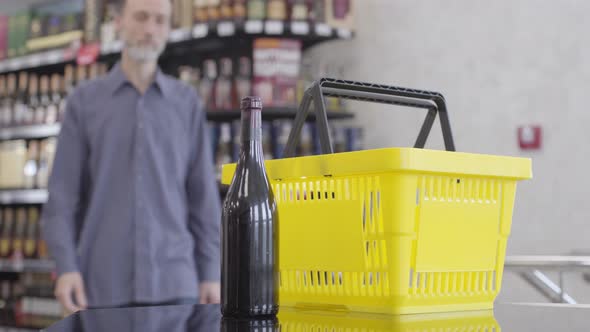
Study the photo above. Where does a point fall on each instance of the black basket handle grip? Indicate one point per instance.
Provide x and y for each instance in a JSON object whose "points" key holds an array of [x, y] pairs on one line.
{"points": [[434, 102]]}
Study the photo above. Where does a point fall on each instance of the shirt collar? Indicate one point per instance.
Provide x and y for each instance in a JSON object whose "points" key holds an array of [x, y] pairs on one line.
{"points": [[117, 79]]}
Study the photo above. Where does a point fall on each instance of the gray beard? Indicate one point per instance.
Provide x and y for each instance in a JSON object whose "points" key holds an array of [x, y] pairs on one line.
{"points": [[142, 54]]}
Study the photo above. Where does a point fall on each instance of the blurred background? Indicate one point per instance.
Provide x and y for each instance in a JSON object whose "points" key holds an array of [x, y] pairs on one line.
{"points": [[514, 75]]}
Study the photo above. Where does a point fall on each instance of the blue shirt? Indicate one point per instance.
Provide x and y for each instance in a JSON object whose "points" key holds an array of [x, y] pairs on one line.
{"points": [[133, 202]]}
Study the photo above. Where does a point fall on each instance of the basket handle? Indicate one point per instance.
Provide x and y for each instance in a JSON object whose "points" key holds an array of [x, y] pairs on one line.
{"points": [[434, 102]]}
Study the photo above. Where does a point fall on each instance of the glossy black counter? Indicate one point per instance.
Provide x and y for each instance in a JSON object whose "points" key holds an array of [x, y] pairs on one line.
{"points": [[206, 318]]}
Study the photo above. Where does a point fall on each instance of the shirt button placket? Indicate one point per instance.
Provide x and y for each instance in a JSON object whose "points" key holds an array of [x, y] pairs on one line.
{"points": [[139, 140]]}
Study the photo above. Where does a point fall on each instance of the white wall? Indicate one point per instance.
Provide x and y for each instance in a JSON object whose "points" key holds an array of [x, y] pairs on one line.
{"points": [[500, 64]]}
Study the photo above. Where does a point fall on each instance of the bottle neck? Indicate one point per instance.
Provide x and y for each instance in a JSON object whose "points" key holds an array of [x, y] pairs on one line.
{"points": [[251, 133]]}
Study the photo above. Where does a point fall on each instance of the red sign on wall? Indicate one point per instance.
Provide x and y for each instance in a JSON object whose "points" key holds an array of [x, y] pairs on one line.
{"points": [[530, 137]]}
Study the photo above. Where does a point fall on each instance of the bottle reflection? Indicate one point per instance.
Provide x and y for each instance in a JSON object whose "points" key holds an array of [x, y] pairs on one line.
{"points": [[177, 318], [270, 324]]}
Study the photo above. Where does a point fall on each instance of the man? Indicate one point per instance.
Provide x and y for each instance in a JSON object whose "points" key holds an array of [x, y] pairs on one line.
{"points": [[133, 214]]}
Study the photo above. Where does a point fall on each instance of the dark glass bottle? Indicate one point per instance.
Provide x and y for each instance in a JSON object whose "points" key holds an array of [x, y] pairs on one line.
{"points": [[250, 228]]}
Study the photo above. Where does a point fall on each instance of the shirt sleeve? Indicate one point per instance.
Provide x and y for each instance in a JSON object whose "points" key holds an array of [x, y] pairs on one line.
{"points": [[65, 190], [203, 201]]}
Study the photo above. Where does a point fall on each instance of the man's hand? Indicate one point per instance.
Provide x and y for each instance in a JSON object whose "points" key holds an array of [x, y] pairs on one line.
{"points": [[209, 292], [69, 291]]}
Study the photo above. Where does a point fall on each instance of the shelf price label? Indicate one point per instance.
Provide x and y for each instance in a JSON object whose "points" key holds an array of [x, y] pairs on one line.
{"points": [[299, 28], [15, 64], [274, 27], [179, 35], [344, 33], [253, 27], [225, 29], [35, 60], [200, 30], [323, 29]]}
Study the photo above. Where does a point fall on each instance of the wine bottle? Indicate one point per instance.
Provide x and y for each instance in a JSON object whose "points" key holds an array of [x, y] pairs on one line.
{"points": [[10, 100], [44, 101], [224, 88], [32, 105], [226, 10], [206, 88], [277, 10], [52, 111], [3, 96], [30, 241], [239, 10], [31, 166], [256, 9], [20, 105], [19, 232], [243, 80], [249, 228]]}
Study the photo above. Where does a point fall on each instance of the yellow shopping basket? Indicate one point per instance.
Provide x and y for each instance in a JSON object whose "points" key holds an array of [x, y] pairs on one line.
{"points": [[397, 230]]}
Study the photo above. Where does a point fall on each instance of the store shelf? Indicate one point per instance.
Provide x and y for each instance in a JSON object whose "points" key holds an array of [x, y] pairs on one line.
{"points": [[269, 114], [27, 265], [40, 59], [16, 329], [309, 33], [23, 196], [273, 113], [29, 132]]}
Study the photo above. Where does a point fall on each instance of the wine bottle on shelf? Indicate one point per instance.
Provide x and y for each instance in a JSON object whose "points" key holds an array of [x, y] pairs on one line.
{"points": [[239, 10], [318, 11], [206, 89], [7, 232], [66, 88], [3, 96], [19, 233], [31, 165], [45, 157], [213, 10], [285, 129], [69, 83], [10, 100], [267, 140], [249, 279], [256, 9], [200, 11], [277, 10], [223, 153], [339, 138], [299, 10], [42, 111], [306, 141], [93, 71], [20, 104], [224, 91], [236, 141], [31, 233], [243, 79], [52, 110], [28, 117], [226, 10], [81, 75]]}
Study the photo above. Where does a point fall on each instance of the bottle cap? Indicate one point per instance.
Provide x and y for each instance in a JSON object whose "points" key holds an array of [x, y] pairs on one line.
{"points": [[251, 103]]}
